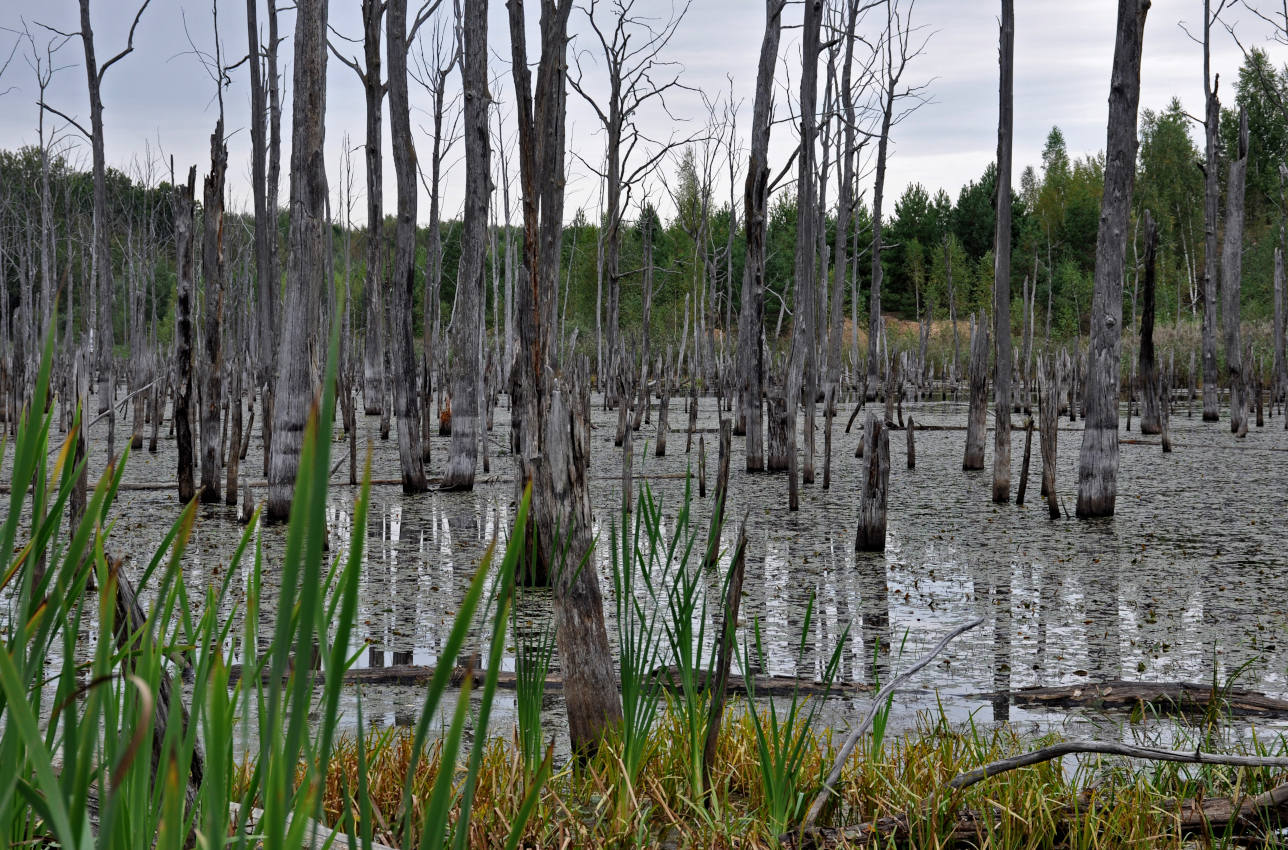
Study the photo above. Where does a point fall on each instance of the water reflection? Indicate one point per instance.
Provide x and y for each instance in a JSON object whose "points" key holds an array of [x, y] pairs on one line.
{"points": [[1151, 593]]}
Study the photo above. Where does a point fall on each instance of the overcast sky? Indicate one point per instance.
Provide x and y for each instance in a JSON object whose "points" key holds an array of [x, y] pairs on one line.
{"points": [[161, 98]]}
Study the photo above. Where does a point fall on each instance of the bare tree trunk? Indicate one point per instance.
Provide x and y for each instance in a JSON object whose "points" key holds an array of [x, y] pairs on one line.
{"points": [[871, 534], [1281, 362], [1211, 200], [541, 439], [105, 341], [265, 208], [269, 322], [800, 368], [1232, 280], [374, 88], [406, 397], [467, 328], [184, 201], [1098, 460], [1150, 387], [844, 209], [1049, 409], [1002, 265], [306, 270], [212, 270], [977, 416], [751, 319]]}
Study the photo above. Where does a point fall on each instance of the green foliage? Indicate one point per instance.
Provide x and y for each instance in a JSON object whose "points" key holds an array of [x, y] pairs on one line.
{"points": [[78, 731]]}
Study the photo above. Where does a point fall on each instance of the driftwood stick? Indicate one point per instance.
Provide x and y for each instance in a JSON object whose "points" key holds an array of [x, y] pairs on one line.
{"points": [[1109, 748], [847, 749]]}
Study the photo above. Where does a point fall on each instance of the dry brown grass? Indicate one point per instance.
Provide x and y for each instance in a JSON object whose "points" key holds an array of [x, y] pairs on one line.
{"points": [[590, 805]]}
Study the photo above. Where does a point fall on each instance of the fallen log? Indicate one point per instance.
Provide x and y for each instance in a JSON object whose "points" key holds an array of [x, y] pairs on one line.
{"points": [[1164, 697], [1241, 820], [419, 675]]}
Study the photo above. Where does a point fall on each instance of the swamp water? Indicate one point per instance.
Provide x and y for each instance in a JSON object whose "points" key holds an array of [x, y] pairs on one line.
{"points": [[1191, 572]]}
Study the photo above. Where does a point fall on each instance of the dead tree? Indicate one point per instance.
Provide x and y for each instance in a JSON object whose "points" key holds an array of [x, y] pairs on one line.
{"points": [[896, 50], [374, 88], [631, 46], [1232, 280], [265, 207], [184, 201], [435, 70], [212, 271], [751, 318], [542, 424], [801, 368], [977, 415], [467, 318], [1049, 410], [306, 266], [1098, 459], [1002, 264], [1211, 200], [1151, 397], [100, 247], [871, 534], [850, 147], [406, 398], [1281, 366]]}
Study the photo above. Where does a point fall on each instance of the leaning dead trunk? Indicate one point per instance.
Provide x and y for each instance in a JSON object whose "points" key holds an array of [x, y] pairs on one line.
{"points": [[184, 202], [1150, 388], [467, 320], [977, 415], [306, 265], [1232, 280], [212, 269], [1098, 460]]}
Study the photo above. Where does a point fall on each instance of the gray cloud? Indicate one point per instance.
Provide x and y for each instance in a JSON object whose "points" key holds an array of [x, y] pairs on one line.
{"points": [[161, 96]]}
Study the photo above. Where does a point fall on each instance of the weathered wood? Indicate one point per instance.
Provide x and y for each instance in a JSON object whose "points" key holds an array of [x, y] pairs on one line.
{"points": [[1002, 263], [877, 703], [1024, 467], [702, 467], [1232, 281], [1151, 397], [911, 428], [184, 202], [1098, 458], [663, 410], [871, 533], [212, 271], [411, 675], [628, 455], [1279, 387], [297, 380], [1163, 697], [1211, 201], [751, 364], [977, 415], [1049, 410], [712, 556], [467, 318], [781, 445]]}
